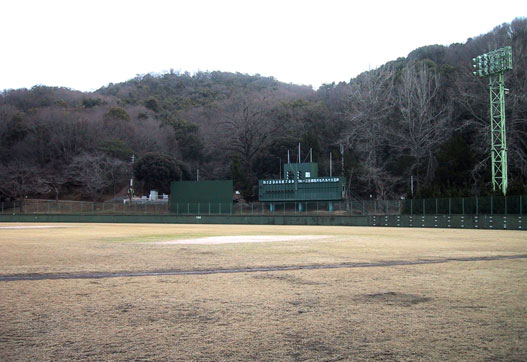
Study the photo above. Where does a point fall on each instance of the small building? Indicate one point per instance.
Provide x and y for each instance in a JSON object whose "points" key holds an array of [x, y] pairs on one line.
{"points": [[197, 197]]}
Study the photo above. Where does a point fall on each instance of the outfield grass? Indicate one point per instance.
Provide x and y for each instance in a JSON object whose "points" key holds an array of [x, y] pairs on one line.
{"points": [[133, 247], [449, 311]]}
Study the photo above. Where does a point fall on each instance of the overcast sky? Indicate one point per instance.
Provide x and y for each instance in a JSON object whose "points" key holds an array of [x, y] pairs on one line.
{"points": [[85, 45]]}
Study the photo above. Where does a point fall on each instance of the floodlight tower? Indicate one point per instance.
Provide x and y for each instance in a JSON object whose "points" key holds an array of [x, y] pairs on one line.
{"points": [[494, 65]]}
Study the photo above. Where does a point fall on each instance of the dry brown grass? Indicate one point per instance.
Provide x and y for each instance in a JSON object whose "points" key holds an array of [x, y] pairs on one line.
{"points": [[118, 247], [451, 311]]}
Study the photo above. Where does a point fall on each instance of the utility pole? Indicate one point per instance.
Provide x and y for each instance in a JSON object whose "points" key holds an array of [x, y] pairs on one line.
{"points": [[131, 189], [330, 165], [493, 65], [342, 157], [299, 153]]}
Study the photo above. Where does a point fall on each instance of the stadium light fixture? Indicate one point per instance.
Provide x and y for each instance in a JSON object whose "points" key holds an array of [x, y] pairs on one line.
{"points": [[493, 65]]}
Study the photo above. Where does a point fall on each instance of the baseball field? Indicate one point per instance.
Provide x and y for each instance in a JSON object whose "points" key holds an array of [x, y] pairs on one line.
{"points": [[243, 292]]}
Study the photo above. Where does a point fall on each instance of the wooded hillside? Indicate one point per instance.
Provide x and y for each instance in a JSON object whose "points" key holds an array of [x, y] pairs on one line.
{"points": [[424, 116]]}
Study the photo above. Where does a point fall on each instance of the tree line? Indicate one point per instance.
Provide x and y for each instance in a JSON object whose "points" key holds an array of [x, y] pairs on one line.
{"points": [[424, 118]]}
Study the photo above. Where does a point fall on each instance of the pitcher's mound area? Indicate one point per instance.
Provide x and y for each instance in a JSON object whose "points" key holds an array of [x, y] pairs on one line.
{"points": [[241, 239]]}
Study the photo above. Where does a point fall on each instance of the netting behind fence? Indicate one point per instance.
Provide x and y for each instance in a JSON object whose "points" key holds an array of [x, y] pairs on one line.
{"points": [[499, 205]]}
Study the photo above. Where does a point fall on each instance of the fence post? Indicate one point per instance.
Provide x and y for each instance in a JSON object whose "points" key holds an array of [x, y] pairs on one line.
{"points": [[449, 206], [436, 205], [491, 206], [2, 207], [463, 205], [505, 204], [477, 206], [521, 206], [411, 206], [424, 207]]}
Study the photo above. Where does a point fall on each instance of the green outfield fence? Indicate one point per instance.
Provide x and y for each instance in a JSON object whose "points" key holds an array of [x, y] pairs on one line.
{"points": [[488, 205], [470, 213]]}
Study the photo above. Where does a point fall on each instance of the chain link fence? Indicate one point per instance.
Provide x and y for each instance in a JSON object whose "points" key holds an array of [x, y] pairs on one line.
{"points": [[490, 205], [487, 205], [31, 206]]}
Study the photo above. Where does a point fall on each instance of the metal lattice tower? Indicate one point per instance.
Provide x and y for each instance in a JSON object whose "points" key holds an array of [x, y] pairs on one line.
{"points": [[498, 149], [494, 65]]}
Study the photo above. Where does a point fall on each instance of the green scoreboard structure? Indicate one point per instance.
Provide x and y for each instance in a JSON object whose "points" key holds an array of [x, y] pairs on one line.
{"points": [[301, 183]]}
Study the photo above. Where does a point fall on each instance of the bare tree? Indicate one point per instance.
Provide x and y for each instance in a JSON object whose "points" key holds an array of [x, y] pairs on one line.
{"points": [[90, 171], [53, 176], [424, 119], [517, 100], [18, 180], [246, 125], [472, 95], [367, 115], [118, 173]]}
